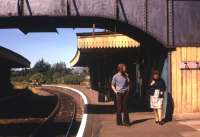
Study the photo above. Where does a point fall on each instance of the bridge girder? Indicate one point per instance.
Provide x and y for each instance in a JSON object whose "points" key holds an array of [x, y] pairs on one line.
{"points": [[170, 22]]}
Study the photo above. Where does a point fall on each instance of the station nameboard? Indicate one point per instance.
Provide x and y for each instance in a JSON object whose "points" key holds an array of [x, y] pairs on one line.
{"points": [[190, 65]]}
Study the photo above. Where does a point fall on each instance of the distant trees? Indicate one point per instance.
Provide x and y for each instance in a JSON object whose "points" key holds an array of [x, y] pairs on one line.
{"points": [[43, 72], [60, 67], [20, 75], [41, 67]]}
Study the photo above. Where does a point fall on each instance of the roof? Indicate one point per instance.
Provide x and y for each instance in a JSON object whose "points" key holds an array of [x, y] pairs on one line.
{"points": [[101, 41], [105, 40], [13, 59], [95, 33], [75, 60]]}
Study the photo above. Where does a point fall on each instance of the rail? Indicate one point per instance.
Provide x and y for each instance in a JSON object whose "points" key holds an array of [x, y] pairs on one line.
{"points": [[49, 118], [82, 127], [71, 122]]}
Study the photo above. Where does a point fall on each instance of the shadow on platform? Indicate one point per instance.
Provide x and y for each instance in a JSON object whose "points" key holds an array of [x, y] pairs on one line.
{"points": [[110, 109], [100, 109], [140, 121]]}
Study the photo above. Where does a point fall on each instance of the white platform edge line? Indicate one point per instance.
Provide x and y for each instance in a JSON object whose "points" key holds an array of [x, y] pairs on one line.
{"points": [[85, 115]]}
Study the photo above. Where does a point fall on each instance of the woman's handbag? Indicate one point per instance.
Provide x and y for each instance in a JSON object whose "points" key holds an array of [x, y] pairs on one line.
{"points": [[161, 95]]}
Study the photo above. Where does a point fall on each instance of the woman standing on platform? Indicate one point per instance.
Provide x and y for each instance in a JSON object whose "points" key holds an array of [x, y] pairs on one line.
{"points": [[156, 90], [120, 85]]}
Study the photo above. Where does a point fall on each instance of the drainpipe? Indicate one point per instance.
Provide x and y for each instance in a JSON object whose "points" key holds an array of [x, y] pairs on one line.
{"points": [[169, 70], [169, 105]]}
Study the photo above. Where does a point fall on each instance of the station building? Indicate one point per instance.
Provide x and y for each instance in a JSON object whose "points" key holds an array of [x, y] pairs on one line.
{"points": [[102, 51]]}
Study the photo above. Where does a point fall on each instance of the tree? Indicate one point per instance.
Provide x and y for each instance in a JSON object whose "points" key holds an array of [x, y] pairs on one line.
{"points": [[41, 67], [59, 67]]}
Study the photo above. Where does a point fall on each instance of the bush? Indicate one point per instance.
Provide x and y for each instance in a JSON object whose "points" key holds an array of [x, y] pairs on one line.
{"points": [[43, 72], [73, 79], [37, 78]]}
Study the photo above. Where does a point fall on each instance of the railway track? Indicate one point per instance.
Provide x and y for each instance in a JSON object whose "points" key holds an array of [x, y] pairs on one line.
{"points": [[62, 120], [53, 115]]}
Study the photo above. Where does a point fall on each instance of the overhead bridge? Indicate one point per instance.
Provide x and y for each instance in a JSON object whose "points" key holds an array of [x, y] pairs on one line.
{"points": [[168, 22]]}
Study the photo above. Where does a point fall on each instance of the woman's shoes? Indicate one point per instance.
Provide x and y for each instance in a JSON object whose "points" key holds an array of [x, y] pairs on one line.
{"points": [[161, 123], [128, 124]]}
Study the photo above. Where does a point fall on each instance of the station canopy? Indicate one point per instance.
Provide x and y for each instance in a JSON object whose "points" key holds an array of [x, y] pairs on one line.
{"points": [[12, 59], [100, 42]]}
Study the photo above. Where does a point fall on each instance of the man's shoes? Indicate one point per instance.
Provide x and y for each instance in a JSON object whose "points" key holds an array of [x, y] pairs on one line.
{"points": [[119, 124], [161, 123], [127, 124]]}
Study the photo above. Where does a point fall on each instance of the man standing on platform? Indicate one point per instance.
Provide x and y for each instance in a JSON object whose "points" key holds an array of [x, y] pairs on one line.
{"points": [[120, 85]]}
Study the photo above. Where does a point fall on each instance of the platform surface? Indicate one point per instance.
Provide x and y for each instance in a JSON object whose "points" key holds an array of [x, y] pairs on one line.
{"points": [[102, 122]]}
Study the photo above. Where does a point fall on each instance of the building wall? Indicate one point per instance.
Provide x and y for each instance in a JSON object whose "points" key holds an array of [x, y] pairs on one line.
{"points": [[185, 83]]}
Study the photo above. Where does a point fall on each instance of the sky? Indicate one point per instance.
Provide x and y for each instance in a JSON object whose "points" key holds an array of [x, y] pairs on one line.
{"points": [[52, 47]]}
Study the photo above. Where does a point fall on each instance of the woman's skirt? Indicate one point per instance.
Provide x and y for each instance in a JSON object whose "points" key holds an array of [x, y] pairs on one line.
{"points": [[155, 101]]}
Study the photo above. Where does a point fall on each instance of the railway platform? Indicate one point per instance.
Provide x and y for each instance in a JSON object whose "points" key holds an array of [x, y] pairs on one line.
{"points": [[101, 122]]}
